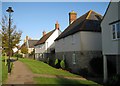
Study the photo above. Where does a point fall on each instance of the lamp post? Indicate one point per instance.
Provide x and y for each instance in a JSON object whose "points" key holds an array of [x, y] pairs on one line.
{"points": [[9, 10]]}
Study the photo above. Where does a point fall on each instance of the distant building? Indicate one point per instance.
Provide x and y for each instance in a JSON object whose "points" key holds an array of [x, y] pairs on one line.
{"points": [[111, 37], [29, 44], [15, 49], [46, 44], [80, 41]]}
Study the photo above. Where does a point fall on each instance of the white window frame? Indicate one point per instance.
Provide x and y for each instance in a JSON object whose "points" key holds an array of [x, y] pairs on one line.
{"points": [[116, 38], [74, 58]]}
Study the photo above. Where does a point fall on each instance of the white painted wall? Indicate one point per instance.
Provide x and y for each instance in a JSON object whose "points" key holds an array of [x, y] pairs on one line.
{"points": [[67, 44], [83, 40], [91, 41], [15, 49], [49, 43], [40, 48], [109, 46]]}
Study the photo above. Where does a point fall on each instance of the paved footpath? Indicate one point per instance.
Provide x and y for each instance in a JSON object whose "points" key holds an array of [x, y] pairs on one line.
{"points": [[20, 74]]}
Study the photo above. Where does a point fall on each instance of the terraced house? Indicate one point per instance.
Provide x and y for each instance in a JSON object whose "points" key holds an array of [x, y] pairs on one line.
{"points": [[29, 44], [111, 37], [80, 41], [46, 44]]}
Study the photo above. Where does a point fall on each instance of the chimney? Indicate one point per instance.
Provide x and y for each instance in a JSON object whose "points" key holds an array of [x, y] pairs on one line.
{"points": [[57, 25], [72, 17], [26, 39], [44, 33]]}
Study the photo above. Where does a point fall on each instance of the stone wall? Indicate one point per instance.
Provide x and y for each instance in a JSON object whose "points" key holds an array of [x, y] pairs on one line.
{"points": [[45, 56], [81, 60]]}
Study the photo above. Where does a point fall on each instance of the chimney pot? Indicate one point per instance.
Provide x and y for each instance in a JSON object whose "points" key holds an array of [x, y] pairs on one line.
{"points": [[57, 25], [44, 33]]}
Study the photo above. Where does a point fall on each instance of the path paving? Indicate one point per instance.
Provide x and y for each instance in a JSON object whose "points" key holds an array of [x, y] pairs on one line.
{"points": [[20, 74]]}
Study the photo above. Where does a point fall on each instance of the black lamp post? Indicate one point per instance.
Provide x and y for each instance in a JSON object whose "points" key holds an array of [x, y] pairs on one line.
{"points": [[9, 10]]}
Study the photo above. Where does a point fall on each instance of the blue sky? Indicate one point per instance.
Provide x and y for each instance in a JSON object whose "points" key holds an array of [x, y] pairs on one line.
{"points": [[34, 17]]}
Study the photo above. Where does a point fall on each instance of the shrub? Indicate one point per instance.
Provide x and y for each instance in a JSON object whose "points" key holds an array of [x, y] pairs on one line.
{"points": [[62, 64], [17, 55], [56, 61]]}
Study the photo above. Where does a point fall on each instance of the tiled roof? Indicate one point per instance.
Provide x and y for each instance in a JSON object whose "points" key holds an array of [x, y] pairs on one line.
{"points": [[90, 21], [44, 38], [32, 43], [24, 44]]}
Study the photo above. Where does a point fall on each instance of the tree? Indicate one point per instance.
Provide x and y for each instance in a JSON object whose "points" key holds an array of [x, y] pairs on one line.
{"points": [[14, 36], [24, 50]]}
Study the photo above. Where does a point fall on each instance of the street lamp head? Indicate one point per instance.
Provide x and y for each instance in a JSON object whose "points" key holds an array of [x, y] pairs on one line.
{"points": [[9, 10]]}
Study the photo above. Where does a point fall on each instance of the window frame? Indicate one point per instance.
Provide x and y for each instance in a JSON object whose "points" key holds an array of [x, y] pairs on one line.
{"points": [[116, 30], [73, 58]]}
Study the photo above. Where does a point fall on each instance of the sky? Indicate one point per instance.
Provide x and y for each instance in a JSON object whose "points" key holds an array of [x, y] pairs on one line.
{"points": [[32, 18]]}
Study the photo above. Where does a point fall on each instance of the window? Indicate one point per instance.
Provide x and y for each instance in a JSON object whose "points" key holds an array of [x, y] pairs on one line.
{"points": [[116, 31], [74, 58], [113, 31]]}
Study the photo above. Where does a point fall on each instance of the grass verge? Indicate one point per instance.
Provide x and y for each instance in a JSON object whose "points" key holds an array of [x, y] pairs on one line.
{"points": [[43, 68], [63, 81], [39, 67], [4, 70]]}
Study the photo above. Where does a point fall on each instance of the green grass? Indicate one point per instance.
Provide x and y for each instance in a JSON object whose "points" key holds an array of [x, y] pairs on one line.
{"points": [[43, 68], [63, 81], [4, 70], [39, 67]]}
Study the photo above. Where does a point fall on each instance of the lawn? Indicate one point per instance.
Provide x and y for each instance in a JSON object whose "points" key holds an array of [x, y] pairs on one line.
{"points": [[4, 70], [43, 68], [63, 81], [39, 67]]}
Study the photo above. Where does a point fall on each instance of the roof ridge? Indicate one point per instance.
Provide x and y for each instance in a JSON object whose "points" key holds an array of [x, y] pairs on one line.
{"points": [[97, 13], [48, 33], [89, 14], [45, 37]]}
